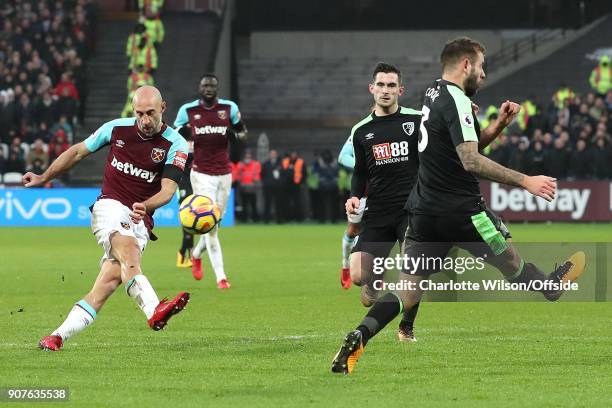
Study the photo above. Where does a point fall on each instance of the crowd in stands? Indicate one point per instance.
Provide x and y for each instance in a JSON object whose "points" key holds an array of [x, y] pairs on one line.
{"points": [[569, 138], [43, 86], [141, 49]]}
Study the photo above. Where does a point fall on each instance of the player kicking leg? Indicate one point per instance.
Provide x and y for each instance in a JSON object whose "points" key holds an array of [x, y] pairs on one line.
{"points": [[218, 189], [489, 237], [392, 304], [120, 264]]}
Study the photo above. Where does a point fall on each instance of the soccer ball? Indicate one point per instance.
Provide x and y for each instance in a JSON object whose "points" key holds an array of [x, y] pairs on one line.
{"points": [[199, 214]]}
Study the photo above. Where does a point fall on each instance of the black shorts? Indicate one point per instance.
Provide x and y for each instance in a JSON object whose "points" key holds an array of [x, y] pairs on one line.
{"points": [[483, 234], [379, 234]]}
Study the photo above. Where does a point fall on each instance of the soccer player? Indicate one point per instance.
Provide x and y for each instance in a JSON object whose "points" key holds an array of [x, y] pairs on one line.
{"points": [[212, 123], [143, 167], [446, 206], [385, 152]]}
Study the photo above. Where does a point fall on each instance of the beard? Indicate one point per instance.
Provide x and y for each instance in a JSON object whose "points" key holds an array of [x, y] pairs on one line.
{"points": [[471, 84]]}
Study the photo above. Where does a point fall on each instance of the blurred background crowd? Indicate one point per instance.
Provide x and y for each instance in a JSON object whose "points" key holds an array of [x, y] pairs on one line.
{"points": [[44, 47]]}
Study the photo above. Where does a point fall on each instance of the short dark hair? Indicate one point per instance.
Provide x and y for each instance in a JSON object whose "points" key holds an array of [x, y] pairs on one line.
{"points": [[459, 48], [209, 75], [387, 68]]}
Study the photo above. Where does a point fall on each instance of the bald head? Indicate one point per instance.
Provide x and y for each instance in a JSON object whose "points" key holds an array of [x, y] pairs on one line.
{"points": [[148, 106], [147, 95]]}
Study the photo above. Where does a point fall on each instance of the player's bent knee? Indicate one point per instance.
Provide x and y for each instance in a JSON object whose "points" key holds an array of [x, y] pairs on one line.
{"points": [[356, 276]]}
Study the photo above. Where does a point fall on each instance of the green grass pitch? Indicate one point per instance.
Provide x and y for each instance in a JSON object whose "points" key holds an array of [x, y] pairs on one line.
{"points": [[270, 339]]}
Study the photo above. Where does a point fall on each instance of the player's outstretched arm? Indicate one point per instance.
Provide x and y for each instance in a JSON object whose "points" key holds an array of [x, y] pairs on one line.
{"points": [[163, 197], [507, 112], [62, 164], [474, 162]]}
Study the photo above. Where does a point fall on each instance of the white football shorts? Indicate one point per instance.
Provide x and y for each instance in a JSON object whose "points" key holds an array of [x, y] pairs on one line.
{"points": [[217, 188], [356, 218], [110, 216]]}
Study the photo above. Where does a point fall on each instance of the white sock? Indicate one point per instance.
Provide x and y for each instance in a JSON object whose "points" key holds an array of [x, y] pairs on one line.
{"points": [[81, 315], [347, 245], [139, 289], [215, 254], [199, 249]]}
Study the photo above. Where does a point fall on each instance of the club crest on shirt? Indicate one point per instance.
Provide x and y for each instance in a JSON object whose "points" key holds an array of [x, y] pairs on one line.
{"points": [[222, 115], [157, 154], [408, 128], [125, 225]]}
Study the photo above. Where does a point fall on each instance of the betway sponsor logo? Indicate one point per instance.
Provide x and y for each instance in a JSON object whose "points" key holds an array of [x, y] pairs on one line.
{"points": [[210, 130], [570, 200], [129, 168]]}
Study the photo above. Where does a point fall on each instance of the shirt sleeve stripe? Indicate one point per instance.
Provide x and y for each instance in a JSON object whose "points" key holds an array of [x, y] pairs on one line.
{"points": [[102, 136], [234, 112], [347, 155], [464, 110], [360, 124], [179, 144], [409, 111], [181, 117]]}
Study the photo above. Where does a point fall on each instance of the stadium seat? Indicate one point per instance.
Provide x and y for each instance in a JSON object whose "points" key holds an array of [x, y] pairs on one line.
{"points": [[267, 96], [12, 178], [26, 149]]}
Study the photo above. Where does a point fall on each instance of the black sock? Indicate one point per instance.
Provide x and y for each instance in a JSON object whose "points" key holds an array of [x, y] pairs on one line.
{"points": [[529, 273], [409, 317], [187, 243], [382, 312]]}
